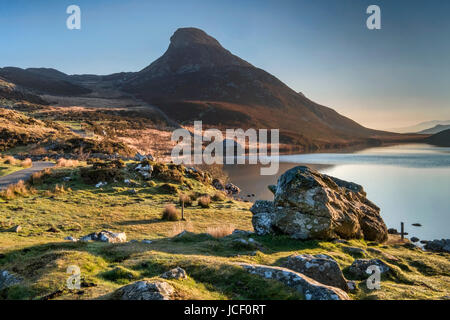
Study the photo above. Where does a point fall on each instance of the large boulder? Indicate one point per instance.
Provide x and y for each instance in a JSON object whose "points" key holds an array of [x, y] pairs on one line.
{"points": [[320, 267], [311, 205], [144, 290], [310, 288]]}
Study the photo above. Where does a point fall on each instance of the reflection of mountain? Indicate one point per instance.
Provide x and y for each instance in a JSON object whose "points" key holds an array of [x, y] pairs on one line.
{"points": [[441, 139], [198, 79], [421, 126], [435, 129]]}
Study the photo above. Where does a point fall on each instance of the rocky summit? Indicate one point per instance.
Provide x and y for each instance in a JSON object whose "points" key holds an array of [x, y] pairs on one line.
{"points": [[311, 205]]}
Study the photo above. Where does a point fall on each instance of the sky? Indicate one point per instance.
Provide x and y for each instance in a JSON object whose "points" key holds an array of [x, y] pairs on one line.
{"points": [[388, 78]]}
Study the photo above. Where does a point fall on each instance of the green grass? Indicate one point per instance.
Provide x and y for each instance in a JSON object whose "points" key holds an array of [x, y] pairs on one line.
{"points": [[42, 257]]}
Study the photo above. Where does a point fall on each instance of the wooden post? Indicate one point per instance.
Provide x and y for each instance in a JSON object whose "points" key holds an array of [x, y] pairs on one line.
{"points": [[182, 210], [402, 230]]}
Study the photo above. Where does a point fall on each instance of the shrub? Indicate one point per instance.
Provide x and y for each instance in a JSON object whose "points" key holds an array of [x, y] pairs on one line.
{"points": [[170, 213], [204, 201], [219, 196], [18, 189], [95, 175], [187, 200], [10, 160], [39, 177], [63, 163], [27, 163], [220, 231], [169, 172], [168, 188]]}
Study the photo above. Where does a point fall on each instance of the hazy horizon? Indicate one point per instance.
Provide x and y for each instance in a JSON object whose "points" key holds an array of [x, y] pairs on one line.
{"points": [[394, 77]]}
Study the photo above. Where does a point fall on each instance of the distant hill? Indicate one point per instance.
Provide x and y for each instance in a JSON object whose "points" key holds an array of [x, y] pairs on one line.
{"points": [[441, 139], [11, 92], [41, 80], [421, 126], [435, 129]]}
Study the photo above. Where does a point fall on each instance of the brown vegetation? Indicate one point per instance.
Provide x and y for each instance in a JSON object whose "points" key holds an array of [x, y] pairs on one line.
{"points": [[170, 213], [204, 201]]}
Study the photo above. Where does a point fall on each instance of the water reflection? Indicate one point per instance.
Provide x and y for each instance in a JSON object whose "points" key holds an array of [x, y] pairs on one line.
{"points": [[410, 183]]}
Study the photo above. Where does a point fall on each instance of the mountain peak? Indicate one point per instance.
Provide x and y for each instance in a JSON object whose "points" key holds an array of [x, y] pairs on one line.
{"points": [[185, 37], [191, 50]]}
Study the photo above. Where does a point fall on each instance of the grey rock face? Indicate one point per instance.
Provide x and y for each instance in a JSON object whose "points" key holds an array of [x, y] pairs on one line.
{"points": [[358, 268], [311, 289], [7, 279], [175, 273], [311, 205], [321, 268], [106, 236], [145, 290]]}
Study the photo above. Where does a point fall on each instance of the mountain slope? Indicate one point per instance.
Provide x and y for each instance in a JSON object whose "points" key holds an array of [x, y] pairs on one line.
{"points": [[197, 79], [43, 80], [441, 139]]}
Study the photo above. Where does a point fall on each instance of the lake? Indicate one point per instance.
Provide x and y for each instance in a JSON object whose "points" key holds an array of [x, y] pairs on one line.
{"points": [[410, 183]]}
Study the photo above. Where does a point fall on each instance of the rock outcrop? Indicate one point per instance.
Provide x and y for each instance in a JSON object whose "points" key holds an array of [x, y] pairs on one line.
{"points": [[359, 267], [7, 279], [311, 205], [320, 267], [311, 289], [438, 245], [106, 236], [145, 290], [175, 273]]}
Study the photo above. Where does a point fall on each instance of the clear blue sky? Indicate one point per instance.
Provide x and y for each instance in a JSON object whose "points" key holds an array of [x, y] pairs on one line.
{"points": [[385, 78]]}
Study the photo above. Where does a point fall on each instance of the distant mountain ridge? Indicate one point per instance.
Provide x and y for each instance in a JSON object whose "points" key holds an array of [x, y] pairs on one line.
{"points": [[435, 129], [421, 126]]}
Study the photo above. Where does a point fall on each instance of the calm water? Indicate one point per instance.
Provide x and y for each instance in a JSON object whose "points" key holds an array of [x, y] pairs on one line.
{"points": [[410, 183]]}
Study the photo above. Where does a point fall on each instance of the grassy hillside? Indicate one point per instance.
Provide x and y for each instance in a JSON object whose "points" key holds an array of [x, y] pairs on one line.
{"points": [[49, 212]]}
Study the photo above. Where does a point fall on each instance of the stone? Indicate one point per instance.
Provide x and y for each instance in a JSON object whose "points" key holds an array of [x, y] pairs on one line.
{"points": [[145, 290], [7, 279], [355, 251], [392, 231], [310, 288], [358, 268], [352, 287], [241, 233], [320, 267], [442, 245], [69, 238], [101, 184], [414, 239], [311, 205], [147, 241], [106, 236], [218, 185], [232, 189], [15, 229], [175, 273]]}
